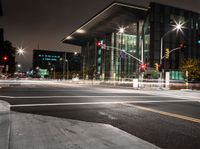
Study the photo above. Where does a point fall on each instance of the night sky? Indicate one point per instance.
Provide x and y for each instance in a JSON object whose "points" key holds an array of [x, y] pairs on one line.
{"points": [[43, 23]]}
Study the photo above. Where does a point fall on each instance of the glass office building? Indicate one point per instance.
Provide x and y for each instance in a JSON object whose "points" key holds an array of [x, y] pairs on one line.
{"points": [[43, 59], [140, 41], [161, 19]]}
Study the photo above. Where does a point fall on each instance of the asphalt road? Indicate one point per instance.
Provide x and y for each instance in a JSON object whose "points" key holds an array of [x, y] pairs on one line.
{"points": [[167, 122]]}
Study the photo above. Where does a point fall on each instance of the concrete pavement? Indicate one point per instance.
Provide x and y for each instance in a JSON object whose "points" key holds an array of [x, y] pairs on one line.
{"points": [[29, 131], [4, 124], [130, 117]]}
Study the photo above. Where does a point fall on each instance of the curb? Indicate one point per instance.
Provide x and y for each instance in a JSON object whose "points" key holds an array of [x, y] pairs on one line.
{"points": [[4, 124]]}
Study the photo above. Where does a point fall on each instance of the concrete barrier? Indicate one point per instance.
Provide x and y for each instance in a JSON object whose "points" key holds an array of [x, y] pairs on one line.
{"points": [[4, 124]]}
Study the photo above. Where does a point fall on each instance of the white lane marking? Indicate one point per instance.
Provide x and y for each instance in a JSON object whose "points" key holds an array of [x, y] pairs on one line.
{"points": [[183, 117], [99, 102], [22, 97], [6, 97]]}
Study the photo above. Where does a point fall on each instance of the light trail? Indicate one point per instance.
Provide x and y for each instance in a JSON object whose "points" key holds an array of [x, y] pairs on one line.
{"points": [[99, 103]]}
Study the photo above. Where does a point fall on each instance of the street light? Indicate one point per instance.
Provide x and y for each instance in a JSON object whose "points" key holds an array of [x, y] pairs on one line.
{"points": [[178, 27], [20, 51], [121, 30], [18, 67]]}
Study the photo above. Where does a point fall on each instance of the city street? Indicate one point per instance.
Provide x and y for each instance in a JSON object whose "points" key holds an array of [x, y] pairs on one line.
{"points": [[109, 74], [167, 119]]}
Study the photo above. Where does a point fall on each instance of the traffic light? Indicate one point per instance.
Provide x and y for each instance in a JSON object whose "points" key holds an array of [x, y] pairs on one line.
{"points": [[156, 66], [142, 67], [181, 46], [167, 53], [100, 44], [5, 58]]}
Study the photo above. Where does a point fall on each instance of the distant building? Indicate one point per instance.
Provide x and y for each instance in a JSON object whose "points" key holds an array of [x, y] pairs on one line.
{"points": [[144, 27], [60, 61]]}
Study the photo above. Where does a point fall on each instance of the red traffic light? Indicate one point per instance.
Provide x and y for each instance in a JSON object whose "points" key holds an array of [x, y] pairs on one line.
{"points": [[142, 67], [181, 45], [5, 58], [98, 43]]}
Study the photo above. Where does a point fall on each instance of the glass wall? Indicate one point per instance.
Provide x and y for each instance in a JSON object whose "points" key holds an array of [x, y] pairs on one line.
{"points": [[146, 37], [123, 66]]}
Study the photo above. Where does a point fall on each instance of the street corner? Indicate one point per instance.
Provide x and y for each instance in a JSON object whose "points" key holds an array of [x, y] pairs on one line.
{"points": [[50, 132], [4, 124], [4, 106]]}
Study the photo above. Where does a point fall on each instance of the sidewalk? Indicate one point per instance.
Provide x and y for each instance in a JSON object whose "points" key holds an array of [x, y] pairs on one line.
{"points": [[181, 94], [30, 131], [4, 124]]}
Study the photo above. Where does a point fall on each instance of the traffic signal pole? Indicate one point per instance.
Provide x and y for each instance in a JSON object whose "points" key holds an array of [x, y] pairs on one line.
{"points": [[167, 55], [178, 48], [137, 59], [140, 61]]}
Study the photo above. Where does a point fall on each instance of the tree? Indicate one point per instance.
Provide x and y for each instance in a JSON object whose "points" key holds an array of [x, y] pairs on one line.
{"points": [[7, 57], [91, 72], [9, 50], [193, 68]]}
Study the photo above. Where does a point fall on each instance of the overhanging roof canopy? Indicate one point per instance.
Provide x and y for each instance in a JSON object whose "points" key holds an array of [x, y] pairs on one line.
{"points": [[107, 21]]}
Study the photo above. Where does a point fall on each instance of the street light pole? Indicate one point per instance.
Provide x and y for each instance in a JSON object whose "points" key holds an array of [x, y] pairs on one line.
{"points": [[178, 27], [161, 45], [67, 68], [161, 49], [54, 71], [142, 60], [161, 54], [83, 66], [64, 66]]}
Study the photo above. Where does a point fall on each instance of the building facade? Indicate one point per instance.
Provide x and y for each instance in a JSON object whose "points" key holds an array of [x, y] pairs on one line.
{"points": [[60, 62], [161, 19], [140, 42]]}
